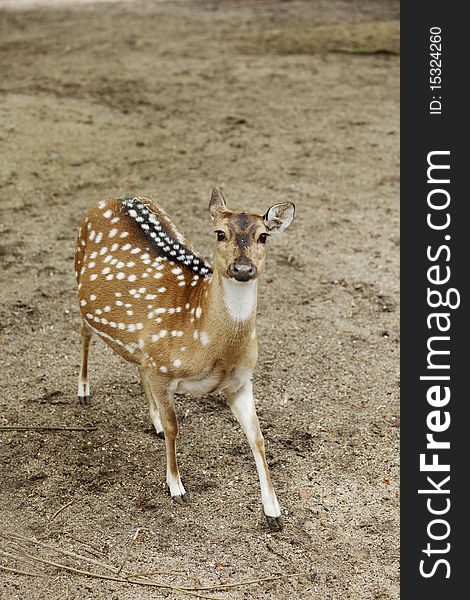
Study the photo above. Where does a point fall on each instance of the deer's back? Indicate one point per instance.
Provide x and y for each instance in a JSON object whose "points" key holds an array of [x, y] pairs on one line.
{"points": [[139, 282]]}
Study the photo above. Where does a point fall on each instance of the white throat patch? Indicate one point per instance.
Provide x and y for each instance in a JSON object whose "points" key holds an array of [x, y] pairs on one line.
{"points": [[240, 298]]}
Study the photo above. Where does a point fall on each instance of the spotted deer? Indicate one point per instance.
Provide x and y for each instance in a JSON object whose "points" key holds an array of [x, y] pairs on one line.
{"points": [[187, 326]]}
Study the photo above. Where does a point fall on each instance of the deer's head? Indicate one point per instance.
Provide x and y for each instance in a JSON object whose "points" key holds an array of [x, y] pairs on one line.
{"points": [[241, 237]]}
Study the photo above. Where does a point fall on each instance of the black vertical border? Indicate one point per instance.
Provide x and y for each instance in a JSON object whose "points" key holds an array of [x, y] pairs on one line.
{"points": [[420, 134]]}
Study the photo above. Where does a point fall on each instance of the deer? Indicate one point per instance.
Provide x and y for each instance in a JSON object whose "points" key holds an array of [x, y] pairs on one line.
{"points": [[189, 327]]}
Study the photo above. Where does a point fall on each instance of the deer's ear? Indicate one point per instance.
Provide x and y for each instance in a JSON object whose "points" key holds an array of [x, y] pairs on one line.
{"points": [[279, 217], [217, 202]]}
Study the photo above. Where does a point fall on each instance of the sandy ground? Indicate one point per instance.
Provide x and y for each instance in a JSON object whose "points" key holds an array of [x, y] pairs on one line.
{"points": [[275, 101]]}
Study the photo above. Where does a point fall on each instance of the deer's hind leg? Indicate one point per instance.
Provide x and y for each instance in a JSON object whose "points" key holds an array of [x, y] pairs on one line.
{"points": [[153, 407], [83, 380]]}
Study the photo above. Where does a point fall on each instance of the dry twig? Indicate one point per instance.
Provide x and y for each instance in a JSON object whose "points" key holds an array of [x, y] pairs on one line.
{"points": [[167, 573], [38, 428], [143, 579], [154, 584], [13, 537], [18, 572], [129, 548], [92, 549], [57, 512]]}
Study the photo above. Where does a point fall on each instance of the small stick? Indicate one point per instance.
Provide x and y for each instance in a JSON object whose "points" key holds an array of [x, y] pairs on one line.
{"points": [[57, 512], [194, 591], [245, 582], [18, 572], [59, 550], [94, 550], [277, 553], [156, 584], [129, 548], [38, 428], [168, 573]]}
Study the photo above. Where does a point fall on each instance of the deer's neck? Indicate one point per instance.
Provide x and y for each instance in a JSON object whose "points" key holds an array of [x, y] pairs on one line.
{"points": [[231, 304], [239, 299]]}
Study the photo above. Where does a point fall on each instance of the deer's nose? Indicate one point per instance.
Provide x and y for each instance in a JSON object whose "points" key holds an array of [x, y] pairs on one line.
{"points": [[242, 269]]}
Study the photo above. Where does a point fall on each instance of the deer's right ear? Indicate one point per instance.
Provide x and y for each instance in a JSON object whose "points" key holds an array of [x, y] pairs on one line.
{"points": [[217, 202]]}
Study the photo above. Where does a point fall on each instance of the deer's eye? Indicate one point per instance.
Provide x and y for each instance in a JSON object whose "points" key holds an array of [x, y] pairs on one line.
{"points": [[221, 236], [262, 238]]}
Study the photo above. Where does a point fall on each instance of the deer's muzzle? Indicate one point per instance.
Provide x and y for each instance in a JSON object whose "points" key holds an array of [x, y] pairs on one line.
{"points": [[242, 269]]}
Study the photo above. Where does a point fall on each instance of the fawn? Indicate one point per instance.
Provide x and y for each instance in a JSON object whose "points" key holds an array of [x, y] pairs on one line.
{"points": [[187, 326]]}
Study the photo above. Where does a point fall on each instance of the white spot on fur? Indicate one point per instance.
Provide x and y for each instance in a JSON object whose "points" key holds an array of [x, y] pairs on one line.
{"points": [[204, 338]]}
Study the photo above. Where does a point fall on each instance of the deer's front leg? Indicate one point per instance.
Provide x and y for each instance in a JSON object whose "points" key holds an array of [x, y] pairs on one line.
{"points": [[164, 398], [243, 407]]}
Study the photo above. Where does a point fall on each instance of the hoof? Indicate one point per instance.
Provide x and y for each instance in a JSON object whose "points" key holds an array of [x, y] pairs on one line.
{"points": [[180, 499], [84, 399], [160, 434], [275, 523]]}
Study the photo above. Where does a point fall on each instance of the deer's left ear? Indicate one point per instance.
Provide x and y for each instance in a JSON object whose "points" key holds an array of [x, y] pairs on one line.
{"points": [[279, 217]]}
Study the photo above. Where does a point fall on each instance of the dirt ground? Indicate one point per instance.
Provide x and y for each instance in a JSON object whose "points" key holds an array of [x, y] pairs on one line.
{"points": [[275, 101]]}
